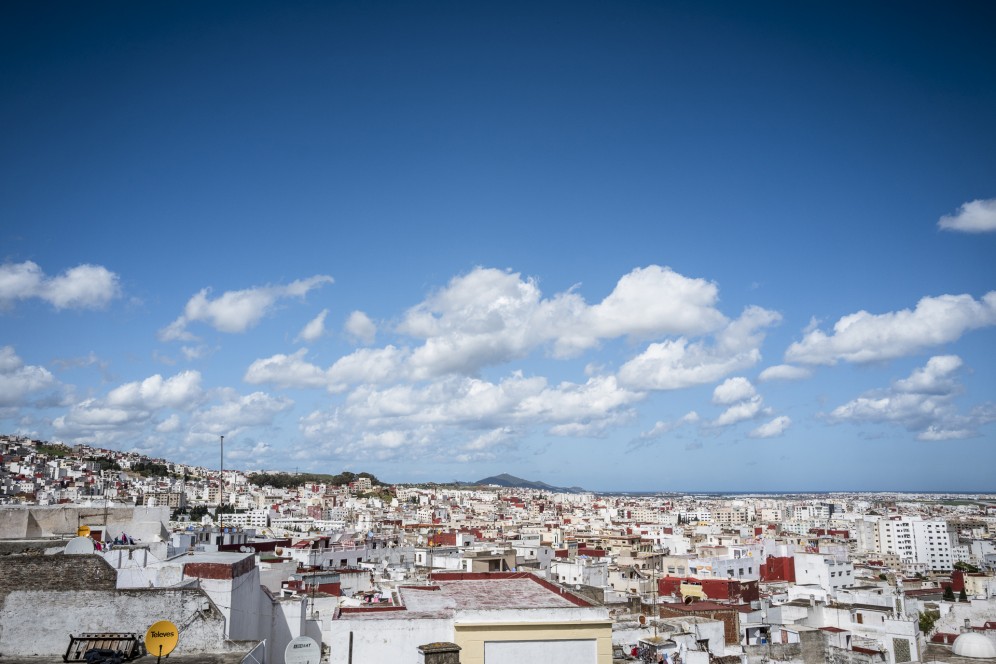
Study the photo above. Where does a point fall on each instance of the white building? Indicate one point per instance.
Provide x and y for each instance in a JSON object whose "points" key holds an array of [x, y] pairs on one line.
{"points": [[916, 541], [825, 571]]}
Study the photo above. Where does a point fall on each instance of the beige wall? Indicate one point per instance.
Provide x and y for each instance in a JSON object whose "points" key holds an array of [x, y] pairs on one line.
{"points": [[471, 637]]}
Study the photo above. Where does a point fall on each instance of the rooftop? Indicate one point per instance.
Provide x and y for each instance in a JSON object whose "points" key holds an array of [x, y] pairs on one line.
{"points": [[475, 592]]}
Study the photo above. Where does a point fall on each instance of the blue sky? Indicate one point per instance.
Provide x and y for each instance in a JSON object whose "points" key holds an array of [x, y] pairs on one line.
{"points": [[623, 245]]}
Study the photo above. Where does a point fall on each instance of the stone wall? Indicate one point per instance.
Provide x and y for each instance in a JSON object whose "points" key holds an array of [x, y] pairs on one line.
{"points": [[60, 572]]}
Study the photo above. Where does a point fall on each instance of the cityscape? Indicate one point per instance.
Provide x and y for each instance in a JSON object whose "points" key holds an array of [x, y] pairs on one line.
{"points": [[569, 332], [488, 571]]}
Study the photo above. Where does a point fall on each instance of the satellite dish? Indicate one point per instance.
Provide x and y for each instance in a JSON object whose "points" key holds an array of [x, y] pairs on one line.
{"points": [[162, 638], [80, 546], [302, 650]]}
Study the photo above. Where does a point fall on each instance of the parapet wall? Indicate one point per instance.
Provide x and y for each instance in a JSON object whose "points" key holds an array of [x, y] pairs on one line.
{"points": [[58, 572], [40, 622], [19, 522]]}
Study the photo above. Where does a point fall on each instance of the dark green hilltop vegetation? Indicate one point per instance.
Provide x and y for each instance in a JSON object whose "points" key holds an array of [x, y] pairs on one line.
{"points": [[292, 480]]}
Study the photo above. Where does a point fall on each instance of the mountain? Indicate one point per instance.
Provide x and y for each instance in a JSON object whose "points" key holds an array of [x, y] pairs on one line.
{"points": [[514, 482]]}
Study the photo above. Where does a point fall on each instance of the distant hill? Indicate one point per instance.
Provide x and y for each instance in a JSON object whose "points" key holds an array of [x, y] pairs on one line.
{"points": [[514, 482]]}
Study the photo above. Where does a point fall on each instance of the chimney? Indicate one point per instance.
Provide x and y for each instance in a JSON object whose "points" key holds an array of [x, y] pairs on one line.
{"points": [[439, 653]]}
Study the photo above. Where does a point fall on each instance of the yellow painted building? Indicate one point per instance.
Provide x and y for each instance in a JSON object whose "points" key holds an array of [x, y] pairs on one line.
{"points": [[495, 618]]}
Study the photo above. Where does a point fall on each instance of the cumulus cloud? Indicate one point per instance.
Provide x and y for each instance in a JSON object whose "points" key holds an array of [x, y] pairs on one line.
{"points": [[921, 403], [236, 311], [131, 409], [978, 216], [663, 427], [315, 329], [656, 300], [784, 372], [18, 380], [772, 429], [732, 390], [360, 327], [489, 316], [286, 371], [81, 287], [166, 415], [179, 391], [416, 416], [408, 398], [865, 337], [169, 425], [486, 446], [679, 363], [236, 413], [740, 412]]}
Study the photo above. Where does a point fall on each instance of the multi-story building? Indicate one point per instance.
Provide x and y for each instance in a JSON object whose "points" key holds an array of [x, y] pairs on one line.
{"points": [[916, 541]]}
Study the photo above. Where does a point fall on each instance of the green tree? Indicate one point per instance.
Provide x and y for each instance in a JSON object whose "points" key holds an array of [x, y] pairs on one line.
{"points": [[927, 621], [949, 594], [962, 596]]}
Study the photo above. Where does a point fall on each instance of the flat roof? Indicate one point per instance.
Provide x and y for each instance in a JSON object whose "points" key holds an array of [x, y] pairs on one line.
{"points": [[480, 592]]}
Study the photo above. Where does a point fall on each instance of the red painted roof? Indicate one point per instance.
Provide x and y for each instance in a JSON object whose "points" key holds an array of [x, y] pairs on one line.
{"points": [[699, 606], [867, 651]]}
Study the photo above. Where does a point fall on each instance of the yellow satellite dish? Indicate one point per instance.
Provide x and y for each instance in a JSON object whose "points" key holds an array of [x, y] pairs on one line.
{"points": [[83, 531], [161, 638]]}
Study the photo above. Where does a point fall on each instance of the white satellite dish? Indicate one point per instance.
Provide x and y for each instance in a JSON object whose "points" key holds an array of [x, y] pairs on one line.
{"points": [[302, 650], [80, 546]]}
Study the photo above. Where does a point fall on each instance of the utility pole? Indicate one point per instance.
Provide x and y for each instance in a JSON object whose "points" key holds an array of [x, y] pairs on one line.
{"points": [[221, 492]]}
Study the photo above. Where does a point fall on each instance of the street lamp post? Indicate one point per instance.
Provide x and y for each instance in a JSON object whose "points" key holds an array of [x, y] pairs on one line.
{"points": [[221, 491]]}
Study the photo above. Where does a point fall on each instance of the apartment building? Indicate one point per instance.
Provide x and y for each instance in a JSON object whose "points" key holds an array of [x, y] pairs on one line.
{"points": [[916, 541]]}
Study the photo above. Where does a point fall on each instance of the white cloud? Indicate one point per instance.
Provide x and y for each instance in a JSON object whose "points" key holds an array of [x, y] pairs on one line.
{"points": [[369, 366], [656, 300], [662, 427], [315, 329], [865, 337], [489, 317], [921, 403], [678, 363], [236, 413], [741, 412], [179, 391], [732, 390], [18, 381], [977, 216], [934, 378], [772, 429], [236, 311], [428, 397], [194, 352], [485, 447], [169, 425], [129, 411], [81, 287], [441, 413], [360, 327], [286, 371], [784, 372]]}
